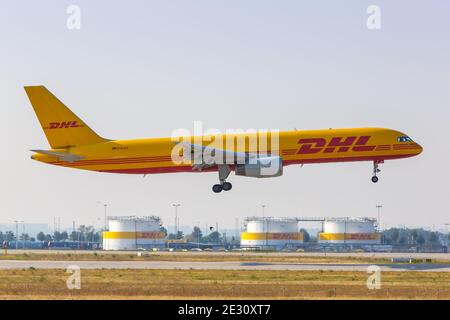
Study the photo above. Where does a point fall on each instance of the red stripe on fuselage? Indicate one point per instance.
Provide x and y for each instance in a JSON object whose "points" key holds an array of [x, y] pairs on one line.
{"points": [[114, 161], [188, 168]]}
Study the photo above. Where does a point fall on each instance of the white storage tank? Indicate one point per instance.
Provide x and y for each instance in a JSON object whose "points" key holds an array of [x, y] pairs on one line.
{"points": [[271, 233], [131, 233], [350, 231]]}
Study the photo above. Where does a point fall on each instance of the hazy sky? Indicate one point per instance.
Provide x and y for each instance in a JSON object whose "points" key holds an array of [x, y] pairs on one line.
{"points": [[145, 68]]}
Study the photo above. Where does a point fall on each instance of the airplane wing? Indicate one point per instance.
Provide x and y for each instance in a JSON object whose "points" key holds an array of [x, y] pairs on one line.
{"points": [[249, 164], [204, 157], [63, 156]]}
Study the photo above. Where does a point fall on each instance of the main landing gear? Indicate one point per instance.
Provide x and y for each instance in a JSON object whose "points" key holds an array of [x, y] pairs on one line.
{"points": [[376, 170], [224, 172]]}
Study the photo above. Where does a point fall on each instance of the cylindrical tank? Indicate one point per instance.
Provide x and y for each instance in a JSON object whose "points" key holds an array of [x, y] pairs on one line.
{"points": [[131, 233], [273, 233], [349, 231]]}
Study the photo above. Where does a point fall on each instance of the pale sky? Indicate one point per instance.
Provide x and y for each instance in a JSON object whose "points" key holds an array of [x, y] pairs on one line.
{"points": [[145, 68]]}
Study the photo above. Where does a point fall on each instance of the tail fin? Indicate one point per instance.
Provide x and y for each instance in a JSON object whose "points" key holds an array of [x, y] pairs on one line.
{"points": [[61, 126]]}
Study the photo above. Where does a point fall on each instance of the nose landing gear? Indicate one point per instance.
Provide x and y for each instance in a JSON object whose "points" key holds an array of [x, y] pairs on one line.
{"points": [[376, 170]]}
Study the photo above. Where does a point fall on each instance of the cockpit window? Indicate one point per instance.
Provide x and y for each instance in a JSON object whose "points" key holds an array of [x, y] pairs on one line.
{"points": [[404, 139]]}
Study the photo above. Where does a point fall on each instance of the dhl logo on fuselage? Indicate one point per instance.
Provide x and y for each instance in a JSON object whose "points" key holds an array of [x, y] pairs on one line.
{"points": [[63, 125], [341, 144]]}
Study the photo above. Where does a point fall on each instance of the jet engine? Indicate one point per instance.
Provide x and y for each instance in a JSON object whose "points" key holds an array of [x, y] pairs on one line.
{"points": [[264, 167]]}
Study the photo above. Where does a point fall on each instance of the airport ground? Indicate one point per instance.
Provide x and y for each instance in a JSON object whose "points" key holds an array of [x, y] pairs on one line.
{"points": [[216, 275], [243, 256]]}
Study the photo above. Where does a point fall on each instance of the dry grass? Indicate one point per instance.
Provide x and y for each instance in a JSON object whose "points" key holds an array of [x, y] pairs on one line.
{"points": [[203, 257], [189, 256], [223, 284]]}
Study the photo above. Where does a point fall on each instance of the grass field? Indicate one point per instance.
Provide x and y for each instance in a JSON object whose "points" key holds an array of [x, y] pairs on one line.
{"points": [[213, 284], [199, 257], [206, 256]]}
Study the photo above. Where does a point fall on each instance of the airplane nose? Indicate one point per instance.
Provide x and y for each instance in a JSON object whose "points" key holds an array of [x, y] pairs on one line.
{"points": [[417, 148], [420, 149]]}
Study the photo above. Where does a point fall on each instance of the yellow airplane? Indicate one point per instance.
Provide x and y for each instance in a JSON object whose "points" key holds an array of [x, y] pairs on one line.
{"points": [[75, 145]]}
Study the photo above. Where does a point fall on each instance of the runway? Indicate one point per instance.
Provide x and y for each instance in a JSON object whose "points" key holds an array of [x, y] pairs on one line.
{"points": [[214, 265]]}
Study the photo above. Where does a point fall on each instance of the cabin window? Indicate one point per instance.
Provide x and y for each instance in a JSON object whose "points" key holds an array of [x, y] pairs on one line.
{"points": [[404, 139]]}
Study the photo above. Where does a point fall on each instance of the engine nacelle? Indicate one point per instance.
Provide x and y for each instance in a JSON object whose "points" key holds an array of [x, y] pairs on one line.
{"points": [[266, 167]]}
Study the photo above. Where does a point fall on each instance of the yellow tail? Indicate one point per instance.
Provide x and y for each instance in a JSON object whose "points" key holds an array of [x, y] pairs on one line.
{"points": [[61, 126]]}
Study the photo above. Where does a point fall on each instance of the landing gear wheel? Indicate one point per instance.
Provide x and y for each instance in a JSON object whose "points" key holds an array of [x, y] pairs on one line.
{"points": [[224, 171], [217, 188], [376, 170], [226, 186]]}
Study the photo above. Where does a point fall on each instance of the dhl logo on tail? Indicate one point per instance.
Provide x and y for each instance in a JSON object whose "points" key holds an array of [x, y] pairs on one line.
{"points": [[63, 125]]}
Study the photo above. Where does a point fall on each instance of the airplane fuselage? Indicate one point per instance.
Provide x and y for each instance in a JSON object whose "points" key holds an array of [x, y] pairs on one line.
{"points": [[252, 154], [154, 155]]}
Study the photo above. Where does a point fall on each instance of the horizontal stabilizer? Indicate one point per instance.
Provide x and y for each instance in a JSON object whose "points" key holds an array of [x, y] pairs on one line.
{"points": [[63, 156]]}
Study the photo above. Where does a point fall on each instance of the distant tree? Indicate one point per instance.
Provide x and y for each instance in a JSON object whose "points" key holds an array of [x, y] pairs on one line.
{"points": [[2, 237], [177, 236], [180, 235], [64, 235], [213, 237], [195, 236], [386, 238], [95, 237], [41, 236], [395, 235], [74, 236], [306, 236], [171, 236], [24, 236], [163, 230], [82, 233], [32, 239], [420, 239], [414, 235], [57, 236], [90, 236], [9, 236], [86, 233], [48, 237], [433, 238]]}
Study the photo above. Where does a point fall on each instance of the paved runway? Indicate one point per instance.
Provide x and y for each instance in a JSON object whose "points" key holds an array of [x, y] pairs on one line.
{"points": [[228, 265]]}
